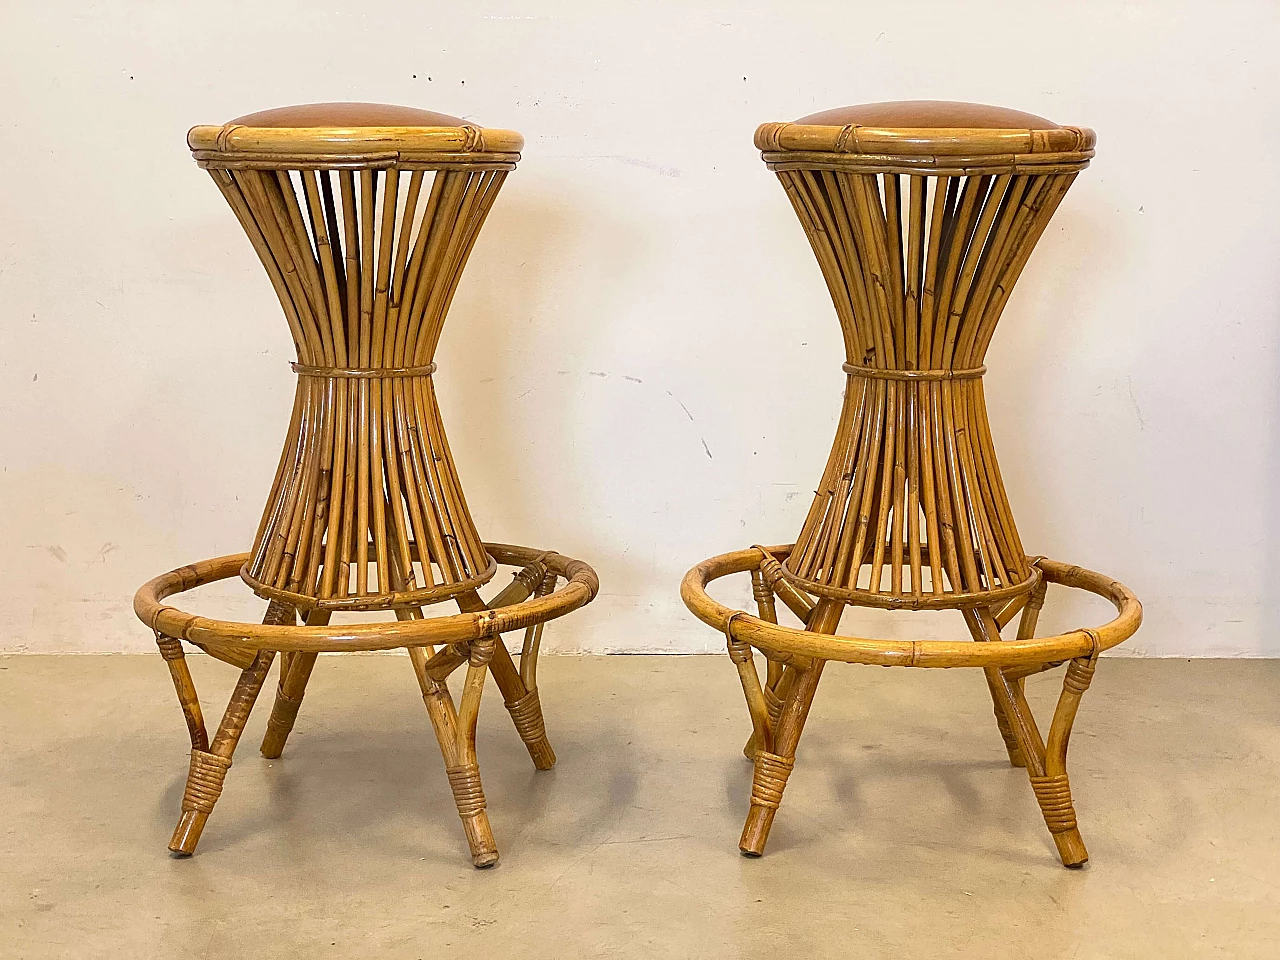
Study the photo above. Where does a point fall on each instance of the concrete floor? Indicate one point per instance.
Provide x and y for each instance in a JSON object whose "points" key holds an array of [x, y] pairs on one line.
{"points": [[904, 832]]}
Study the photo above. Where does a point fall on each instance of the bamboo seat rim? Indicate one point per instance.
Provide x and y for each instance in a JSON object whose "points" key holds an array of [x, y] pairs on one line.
{"points": [[580, 588], [886, 141], [784, 643], [941, 151], [929, 164], [467, 143]]}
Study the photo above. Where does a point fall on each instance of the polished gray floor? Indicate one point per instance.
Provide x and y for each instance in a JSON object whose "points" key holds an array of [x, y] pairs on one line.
{"points": [[904, 832]]}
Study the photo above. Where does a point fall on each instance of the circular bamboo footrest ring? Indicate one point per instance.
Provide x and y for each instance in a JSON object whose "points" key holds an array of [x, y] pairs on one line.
{"points": [[580, 587], [789, 644]]}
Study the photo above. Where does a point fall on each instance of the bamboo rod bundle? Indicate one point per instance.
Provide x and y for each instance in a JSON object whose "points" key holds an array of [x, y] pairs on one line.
{"points": [[366, 284], [911, 512]]}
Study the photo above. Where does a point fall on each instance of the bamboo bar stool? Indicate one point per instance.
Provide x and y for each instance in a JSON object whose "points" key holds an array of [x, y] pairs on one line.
{"points": [[922, 216], [364, 216]]}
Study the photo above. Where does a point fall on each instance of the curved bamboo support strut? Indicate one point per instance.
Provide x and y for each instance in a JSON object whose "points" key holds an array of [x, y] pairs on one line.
{"points": [[765, 582], [1054, 793], [185, 687], [761, 720], [455, 731]]}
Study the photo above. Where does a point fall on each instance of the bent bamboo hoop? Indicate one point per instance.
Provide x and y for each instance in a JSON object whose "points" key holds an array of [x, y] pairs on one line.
{"points": [[232, 638], [783, 643]]}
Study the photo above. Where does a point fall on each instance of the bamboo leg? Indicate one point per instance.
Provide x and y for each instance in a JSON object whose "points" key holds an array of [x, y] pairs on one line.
{"points": [[171, 650], [763, 594], [521, 701], [773, 768], [1026, 631], [1047, 765], [533, 638], [1016, 759], [294, 674], [464, 778], [743, 657], [209, 767], [456, 733], [985, 626], [983, 629], [1053, 789], [524, 706], [1031, 612], [527, 712]]}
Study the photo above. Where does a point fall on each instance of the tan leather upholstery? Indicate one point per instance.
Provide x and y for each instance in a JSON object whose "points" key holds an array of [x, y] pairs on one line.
{"points": [[342, 115], [924, 114]]}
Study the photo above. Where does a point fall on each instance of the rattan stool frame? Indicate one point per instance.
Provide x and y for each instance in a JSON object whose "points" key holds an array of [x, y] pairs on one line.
{"points": [[364, 216], [922, 216]]}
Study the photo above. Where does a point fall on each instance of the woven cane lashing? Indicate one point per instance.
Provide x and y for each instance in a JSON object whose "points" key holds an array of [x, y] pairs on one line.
{"points": [[170, 648], [771, 773], [526, 713], [464, 780], [1054, 796], [1079, 674], [204, 782]]}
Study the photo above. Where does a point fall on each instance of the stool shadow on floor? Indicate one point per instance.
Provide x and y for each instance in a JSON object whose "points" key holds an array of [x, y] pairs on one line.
{"points": [[385, 791]]}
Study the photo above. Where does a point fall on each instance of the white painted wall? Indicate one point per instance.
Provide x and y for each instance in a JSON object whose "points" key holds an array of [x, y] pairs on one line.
{"points": [[623, 371]]}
